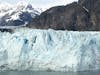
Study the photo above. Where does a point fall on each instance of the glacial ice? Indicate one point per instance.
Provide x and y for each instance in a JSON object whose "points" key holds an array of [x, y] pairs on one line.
{"points": [[49, 50]]}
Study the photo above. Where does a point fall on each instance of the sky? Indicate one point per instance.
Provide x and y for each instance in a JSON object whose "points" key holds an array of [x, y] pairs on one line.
{"points": [[41, 3]]}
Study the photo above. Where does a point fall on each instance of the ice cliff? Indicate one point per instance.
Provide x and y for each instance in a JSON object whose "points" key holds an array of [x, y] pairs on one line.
{"points": [[50, 50]]}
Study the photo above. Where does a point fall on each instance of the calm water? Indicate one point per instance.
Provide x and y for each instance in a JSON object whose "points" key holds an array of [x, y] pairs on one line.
{"points": [[49, 73]]}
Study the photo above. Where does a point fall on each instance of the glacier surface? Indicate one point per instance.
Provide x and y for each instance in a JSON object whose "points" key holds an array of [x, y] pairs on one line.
{"points": [[49, 50]]}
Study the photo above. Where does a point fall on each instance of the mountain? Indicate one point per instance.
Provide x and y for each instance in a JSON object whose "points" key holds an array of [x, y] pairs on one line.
{"points": [[78, 16], [16, 15]]}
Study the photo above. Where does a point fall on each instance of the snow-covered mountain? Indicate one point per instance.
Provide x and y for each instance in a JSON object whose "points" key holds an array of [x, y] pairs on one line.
{"points": [[31, 49], [15, 15]]}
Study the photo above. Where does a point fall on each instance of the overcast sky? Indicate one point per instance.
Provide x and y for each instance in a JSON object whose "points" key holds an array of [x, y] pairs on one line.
{"points": [[41, 3]]}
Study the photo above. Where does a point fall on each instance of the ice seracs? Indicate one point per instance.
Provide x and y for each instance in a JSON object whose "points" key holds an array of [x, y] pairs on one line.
{"points": [[42, 50]]}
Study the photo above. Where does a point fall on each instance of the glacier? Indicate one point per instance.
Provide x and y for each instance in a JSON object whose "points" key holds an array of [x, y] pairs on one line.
{"points": [[49, 50]]}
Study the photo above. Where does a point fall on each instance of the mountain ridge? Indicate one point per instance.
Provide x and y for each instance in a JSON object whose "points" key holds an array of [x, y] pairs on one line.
{"points": [[77, 16], [16, 15]]}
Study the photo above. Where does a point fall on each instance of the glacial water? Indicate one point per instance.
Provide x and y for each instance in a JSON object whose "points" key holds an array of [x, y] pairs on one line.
{"points": [[50, 73]]}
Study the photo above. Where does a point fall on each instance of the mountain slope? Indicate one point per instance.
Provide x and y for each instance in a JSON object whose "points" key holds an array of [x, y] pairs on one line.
{"points": [[82, 16]]}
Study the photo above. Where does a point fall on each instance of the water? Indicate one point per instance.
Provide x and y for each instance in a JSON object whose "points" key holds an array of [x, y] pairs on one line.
{"points": [[49, 73]]}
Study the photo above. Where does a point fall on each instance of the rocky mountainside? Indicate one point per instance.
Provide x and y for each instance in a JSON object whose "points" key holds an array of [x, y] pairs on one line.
{"points": [[83, 15]]}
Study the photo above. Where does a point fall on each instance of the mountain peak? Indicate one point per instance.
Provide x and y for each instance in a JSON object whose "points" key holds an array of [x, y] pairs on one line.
{"points": [[29, 6], [19, 14]]}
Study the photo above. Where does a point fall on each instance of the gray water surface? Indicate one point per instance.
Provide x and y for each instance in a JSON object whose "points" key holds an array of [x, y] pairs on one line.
{"points": [[49, 73]]}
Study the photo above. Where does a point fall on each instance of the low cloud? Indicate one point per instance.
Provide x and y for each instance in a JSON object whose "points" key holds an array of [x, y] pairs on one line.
{"points": [[44, 4]]}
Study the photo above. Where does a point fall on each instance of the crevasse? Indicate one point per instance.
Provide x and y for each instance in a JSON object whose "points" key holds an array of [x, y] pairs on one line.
{"points": [[49, 50]]}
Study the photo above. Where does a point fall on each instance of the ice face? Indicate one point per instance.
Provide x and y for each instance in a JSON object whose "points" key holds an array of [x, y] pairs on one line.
{"points": [[50, 50]]}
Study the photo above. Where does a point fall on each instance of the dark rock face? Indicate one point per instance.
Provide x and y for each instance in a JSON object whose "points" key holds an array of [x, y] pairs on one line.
{"points": [[88, 4], [83, 15]]}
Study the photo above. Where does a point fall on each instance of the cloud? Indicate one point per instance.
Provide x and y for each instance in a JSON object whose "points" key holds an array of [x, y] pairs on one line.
{"points": [[49, 3], [42, 3]]}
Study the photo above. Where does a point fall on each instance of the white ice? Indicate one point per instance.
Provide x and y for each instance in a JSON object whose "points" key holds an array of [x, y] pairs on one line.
{"points": [[49, 50]]}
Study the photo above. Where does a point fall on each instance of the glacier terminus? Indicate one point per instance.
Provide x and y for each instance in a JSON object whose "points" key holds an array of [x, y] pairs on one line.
{"points": [[49, 50]]}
